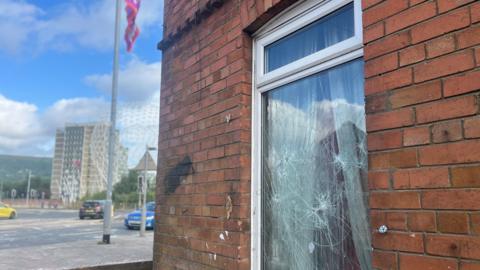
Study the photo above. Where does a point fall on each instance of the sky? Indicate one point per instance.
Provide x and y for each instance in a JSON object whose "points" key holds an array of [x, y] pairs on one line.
{"points": [[55, 65]]}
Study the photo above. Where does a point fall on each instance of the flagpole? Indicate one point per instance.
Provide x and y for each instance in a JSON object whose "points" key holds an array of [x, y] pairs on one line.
{"points": [[107, 216]]}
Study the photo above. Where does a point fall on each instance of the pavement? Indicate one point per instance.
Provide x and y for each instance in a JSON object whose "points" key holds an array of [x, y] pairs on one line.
{"points": [[58, 239]]}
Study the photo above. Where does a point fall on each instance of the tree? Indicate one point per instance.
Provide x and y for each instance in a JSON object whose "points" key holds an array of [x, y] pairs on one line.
{"points": [[127, 184], [38, 183], [125, 191]]}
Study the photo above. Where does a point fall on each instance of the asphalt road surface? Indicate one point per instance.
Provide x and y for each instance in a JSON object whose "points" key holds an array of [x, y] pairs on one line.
{"points": [[58, 239]]}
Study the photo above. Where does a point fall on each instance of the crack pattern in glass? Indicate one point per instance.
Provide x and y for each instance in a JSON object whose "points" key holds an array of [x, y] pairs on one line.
{"points": [[314, 213]]}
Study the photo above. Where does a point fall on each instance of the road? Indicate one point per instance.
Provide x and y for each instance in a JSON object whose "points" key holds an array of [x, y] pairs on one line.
{"points": [[58, 239]]}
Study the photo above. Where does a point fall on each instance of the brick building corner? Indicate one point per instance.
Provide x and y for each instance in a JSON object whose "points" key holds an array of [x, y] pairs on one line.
{"points": [[422, 83]]}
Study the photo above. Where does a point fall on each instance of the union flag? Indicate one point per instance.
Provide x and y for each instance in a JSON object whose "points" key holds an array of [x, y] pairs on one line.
{"points": [[132, 31]]}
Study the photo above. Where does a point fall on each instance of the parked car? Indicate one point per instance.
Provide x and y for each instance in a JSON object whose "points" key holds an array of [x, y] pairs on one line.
{"points": [[92, 209], [7, 212], [133, 219]]}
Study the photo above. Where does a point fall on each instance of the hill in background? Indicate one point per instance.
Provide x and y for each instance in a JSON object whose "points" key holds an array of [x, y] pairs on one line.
{"points": [[13, 168]]}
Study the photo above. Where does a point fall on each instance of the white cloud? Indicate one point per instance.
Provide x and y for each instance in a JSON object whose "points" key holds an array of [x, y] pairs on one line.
{"points": [[66, 26], [137, 81], [18, 121], [139, 108], [16, 18], [75, 110], [24, 130]]}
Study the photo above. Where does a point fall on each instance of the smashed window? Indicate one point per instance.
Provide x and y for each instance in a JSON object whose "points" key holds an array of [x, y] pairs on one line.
{"points": [[314, 213]]}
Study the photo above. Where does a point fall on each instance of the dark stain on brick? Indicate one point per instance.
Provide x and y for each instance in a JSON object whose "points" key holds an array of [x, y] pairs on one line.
{"points": [[174, 177]]}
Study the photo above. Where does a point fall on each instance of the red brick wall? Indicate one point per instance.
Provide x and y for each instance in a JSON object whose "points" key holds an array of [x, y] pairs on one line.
{"points": [[206, 115], [422, 83], [422, 80]]}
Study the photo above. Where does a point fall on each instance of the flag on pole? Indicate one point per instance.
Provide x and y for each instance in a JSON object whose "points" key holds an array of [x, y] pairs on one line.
{"points": [[132, 31]]}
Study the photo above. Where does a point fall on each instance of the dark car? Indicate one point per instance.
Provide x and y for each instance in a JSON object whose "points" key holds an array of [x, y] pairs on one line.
{"points": [[133, 219], [92, 209]]}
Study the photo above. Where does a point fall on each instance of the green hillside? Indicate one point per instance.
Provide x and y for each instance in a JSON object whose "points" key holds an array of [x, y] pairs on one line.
{"points": [[13, 168]]}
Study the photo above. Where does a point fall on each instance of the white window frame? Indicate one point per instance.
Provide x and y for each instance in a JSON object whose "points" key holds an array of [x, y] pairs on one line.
{"points": [[294, 18]]}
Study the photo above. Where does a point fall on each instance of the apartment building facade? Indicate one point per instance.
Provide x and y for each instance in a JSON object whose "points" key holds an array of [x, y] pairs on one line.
{"points": [[80, 161], [319, 134]]}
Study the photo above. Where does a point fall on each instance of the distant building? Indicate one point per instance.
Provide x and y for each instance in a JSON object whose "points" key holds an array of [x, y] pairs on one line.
{"points": [[57, 164], [149, 163], [80, 162]]}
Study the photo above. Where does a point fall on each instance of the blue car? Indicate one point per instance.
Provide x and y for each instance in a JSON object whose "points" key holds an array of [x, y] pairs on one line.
{"points": [[133, 219]]}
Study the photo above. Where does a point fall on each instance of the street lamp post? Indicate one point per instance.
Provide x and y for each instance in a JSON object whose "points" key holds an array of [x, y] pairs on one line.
{"points": [[140, 190], [1, 190], [107, 222], [28, 188]]}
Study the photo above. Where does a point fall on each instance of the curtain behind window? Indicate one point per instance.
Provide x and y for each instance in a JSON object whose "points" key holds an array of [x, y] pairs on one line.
{"points": [[329, 30], [314, 213]]}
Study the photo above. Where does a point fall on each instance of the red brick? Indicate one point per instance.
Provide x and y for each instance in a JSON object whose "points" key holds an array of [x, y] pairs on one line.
{"points": [[472, 127], [393, 220], [395, 200], [421, 221], [447, 131], [440, 25], [368, 3], [378, 180], [215, 199], [450, 153], [467, 247], [384, 140], [412, 54], [410, 16], [416, 94], [461, 84], [416, 136], [373, 32], [421, 178], [475, 222], [469, 37], [388, 81], [466, 176], [452, 222], [475, 13], [477, 56], [416, 2], [200, 156], [470, 266], [381, 65], [415, 262], [387, 44], [383, 10], [218, 86], [445, 65], [447, 109], [440, 46], [384, 260], [375, 103], [216, 153], [451, 199], [406, 158], [410, 242], [392, 119], [446, 5]]}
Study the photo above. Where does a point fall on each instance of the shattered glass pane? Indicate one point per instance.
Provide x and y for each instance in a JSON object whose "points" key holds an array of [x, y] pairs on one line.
{"points": [[314, 213]]}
